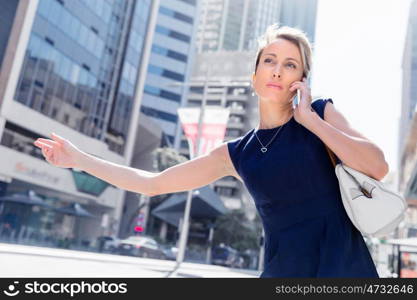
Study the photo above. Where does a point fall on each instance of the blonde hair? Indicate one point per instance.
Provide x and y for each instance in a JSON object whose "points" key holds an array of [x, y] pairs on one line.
{"points": [[293, 35]]}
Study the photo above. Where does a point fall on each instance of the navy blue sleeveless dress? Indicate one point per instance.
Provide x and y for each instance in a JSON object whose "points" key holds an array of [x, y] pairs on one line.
{"points": [[296, 193]]}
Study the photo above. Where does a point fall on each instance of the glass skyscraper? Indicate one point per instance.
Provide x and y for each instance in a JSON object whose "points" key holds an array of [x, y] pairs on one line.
{"points": [[169, 64], [234, 25], [81, 65], [77, 68]]}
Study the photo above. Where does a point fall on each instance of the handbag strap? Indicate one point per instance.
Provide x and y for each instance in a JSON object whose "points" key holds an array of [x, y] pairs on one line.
{"points": [[332, 156], [333, 159]]}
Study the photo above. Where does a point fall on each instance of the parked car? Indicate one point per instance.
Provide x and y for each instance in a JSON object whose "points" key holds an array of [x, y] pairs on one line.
{"points": [[107, 243], [170, 251], [226, 256], [143, 246]]}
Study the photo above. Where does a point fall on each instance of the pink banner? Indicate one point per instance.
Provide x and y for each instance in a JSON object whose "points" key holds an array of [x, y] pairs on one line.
{"points": [[212, 131]]}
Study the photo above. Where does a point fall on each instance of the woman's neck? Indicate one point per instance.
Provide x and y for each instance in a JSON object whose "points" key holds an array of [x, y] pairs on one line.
{"points": [[274, 115]]}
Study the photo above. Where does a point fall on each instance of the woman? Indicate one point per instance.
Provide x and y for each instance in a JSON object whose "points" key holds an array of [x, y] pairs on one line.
{"points": [[283, 163]]}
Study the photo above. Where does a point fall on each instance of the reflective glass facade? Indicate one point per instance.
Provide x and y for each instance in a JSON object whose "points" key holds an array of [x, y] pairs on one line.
{"points": [[7, 13], [121, 112], [81, 64], [235, 25]]}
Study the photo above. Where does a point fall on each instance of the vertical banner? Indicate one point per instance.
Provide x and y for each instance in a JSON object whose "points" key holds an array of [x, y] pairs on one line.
{"points": [[213, 128]]}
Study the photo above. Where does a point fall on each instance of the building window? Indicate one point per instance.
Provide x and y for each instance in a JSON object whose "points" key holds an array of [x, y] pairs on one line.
{"points": [[159, 114], [169, 53], [173, 34], [150, 90], [176, 15], [166, 73], [192, 2], [197, 89]]}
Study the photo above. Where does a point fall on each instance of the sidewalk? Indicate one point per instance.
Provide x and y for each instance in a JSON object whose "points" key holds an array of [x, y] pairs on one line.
{"points": [[31, 261]]}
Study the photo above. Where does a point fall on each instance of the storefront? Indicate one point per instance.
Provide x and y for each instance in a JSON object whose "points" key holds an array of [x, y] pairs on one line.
{"points": [[48, 206]]}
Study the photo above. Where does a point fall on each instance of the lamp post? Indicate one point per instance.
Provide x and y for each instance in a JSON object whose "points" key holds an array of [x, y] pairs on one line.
{"points": [[184, 224], [209, 243]]}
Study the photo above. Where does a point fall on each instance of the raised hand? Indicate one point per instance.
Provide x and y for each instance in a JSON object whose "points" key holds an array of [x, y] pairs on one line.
{"points": [[59, 152]]}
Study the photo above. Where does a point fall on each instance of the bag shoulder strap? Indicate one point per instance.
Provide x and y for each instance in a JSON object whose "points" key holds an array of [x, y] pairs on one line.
{"points": [[318, 105], [332, 157]]}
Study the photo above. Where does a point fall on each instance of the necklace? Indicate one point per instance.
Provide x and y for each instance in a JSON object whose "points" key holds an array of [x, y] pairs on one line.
{"points": [[264, 148]]}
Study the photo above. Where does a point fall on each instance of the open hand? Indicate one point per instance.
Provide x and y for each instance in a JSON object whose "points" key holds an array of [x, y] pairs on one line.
{"points": [[59, 152]]}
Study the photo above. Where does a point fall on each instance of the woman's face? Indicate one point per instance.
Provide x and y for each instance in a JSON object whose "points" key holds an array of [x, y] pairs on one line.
{"points": [[275, 60]]}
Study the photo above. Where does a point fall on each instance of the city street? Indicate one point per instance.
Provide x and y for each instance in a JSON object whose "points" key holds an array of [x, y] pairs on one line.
{"points": [[29, 261]]}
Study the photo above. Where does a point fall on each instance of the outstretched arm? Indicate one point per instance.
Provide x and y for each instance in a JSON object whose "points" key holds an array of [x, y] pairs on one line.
{"points": [[188, 175], [195, 173]]}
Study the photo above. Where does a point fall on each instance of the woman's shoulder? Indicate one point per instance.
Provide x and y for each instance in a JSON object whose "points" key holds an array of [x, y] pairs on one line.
{"points": [[236, 145], [241, 139], [234, 149], [319, 104]]}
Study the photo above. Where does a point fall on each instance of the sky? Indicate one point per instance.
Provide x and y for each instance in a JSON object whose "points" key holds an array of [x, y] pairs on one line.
{"points": [[357, 59]]}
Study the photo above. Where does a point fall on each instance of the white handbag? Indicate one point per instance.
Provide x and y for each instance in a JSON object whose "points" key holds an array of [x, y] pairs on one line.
{"points": [[373, 209]]}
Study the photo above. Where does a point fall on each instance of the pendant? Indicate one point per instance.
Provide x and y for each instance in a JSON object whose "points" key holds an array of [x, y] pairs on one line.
{"points": [[263, 149]]}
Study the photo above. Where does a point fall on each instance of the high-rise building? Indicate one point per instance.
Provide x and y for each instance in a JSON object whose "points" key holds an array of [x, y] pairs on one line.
{"points": [[76, 68], [234, 25], [300, 14], [169, 63], [407, 169]]}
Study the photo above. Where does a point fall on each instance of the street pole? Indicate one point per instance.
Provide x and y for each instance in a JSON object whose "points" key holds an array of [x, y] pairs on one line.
{"points": [[185, 223], [210, 241]]}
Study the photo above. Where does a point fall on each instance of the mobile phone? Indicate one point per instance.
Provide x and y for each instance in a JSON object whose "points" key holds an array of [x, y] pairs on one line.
{"points": [[297, 98]]}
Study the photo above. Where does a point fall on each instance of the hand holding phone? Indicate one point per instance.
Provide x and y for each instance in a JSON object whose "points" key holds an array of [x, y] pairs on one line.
{"points": [[297, 98]]}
